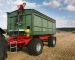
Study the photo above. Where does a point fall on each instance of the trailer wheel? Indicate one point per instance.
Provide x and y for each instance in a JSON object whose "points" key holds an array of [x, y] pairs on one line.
{"points": [[52, 42], [35, 47]]}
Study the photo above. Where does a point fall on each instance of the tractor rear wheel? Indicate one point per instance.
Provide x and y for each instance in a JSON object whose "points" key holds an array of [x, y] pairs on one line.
{"points": [[35, 47]]}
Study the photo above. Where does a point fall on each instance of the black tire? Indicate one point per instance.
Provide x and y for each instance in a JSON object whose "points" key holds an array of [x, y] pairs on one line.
{"points": [[35, 47], [52, 42]]}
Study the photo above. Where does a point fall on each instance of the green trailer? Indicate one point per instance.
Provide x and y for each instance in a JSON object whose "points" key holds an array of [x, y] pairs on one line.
{"points": [[38, 23], [30, 28]]}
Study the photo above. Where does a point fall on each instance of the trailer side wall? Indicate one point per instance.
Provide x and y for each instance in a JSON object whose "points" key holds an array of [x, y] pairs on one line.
{"points": [[39, 23]]}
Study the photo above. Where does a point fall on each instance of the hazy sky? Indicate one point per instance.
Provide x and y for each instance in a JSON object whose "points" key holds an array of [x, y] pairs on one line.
{"points": [[63, 11]]}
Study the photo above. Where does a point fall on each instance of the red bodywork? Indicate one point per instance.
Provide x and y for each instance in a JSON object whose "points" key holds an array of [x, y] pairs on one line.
{"points": [[23, 40], [19, 40]]}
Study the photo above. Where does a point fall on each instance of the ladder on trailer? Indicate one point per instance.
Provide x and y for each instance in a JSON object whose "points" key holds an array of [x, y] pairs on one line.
{"points": [[13, 47]]}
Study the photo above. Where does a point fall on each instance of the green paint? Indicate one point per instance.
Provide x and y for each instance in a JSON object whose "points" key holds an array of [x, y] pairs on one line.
{"points": [[39, 23]]}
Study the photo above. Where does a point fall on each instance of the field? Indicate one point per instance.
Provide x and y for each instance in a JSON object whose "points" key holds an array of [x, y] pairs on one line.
{"points": [[64, 50]]}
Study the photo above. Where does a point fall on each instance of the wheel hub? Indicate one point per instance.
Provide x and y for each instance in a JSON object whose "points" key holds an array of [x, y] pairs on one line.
{"points": [[38, 47], [53, 42]]}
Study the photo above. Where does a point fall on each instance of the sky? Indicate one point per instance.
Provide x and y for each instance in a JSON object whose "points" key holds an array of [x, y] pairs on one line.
{"points": [[63, 11]]}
